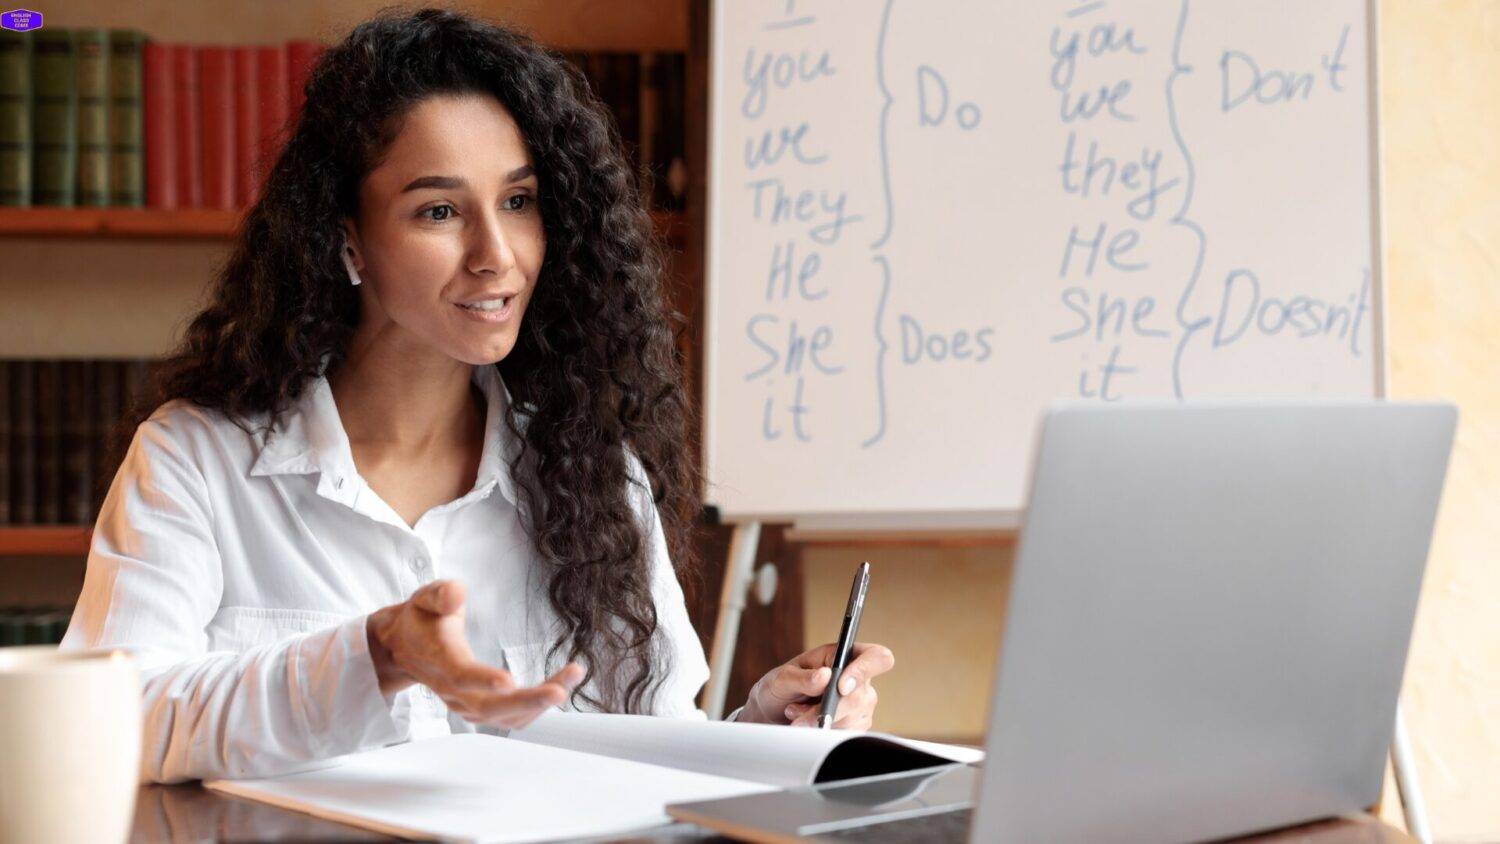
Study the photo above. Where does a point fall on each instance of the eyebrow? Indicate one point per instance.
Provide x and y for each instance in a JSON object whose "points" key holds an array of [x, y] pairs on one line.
{"points": [[454, 182]]}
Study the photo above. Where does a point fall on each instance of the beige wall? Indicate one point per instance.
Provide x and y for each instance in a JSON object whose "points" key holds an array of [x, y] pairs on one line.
{"points": [[1440, 101], [943, 627], [1440, 94]]}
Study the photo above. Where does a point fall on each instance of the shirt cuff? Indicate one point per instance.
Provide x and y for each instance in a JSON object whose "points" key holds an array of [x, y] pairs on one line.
{"points": [[339, 692]]}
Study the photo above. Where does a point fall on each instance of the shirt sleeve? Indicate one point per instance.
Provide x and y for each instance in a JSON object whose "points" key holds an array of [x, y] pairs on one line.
{"points": [[153, 583]]}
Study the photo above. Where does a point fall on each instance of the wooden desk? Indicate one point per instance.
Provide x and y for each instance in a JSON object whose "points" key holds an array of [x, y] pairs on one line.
{"points": [[192, 813]]}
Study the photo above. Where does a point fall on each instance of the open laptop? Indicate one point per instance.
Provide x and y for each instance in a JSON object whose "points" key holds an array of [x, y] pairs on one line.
{"points": [[1206, 633]]}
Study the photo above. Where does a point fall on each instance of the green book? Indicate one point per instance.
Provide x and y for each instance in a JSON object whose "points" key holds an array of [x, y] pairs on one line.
{"points": [[92, 48], [127, 178], [54, 117], [15, 117]]}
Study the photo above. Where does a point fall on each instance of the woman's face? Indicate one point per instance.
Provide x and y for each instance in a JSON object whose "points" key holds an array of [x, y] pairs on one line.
{"points": [[449, 218]]}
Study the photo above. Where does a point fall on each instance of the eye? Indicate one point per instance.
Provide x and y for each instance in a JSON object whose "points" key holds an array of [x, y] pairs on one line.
{"points": [[528, 201], [424, 211]]}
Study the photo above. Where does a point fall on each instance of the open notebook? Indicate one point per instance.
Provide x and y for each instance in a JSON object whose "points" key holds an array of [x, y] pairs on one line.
{"points": [[571, 774]]}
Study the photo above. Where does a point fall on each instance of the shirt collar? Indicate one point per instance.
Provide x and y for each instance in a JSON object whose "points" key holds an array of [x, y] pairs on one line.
{"points": [[309, 438]]}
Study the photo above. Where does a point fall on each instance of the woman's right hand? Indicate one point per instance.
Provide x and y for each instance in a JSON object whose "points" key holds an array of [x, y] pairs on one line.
{"points": [[421, 640]]}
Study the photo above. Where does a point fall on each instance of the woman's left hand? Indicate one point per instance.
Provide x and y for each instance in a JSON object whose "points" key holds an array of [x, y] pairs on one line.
{"points": [[791, 693]]}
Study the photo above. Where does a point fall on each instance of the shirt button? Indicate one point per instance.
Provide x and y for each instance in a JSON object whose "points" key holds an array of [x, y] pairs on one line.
{"points": [[338, 483]]}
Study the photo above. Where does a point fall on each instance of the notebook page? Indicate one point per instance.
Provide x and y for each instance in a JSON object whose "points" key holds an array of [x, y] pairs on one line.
{"points": [[483, 788], [766, 753]]}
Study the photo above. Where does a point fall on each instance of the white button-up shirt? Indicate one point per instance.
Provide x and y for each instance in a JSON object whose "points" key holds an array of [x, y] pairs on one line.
{"points": [[239, 570]]}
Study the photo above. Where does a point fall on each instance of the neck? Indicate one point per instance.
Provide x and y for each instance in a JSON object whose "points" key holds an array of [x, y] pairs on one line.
{"points": [[407, 404]]}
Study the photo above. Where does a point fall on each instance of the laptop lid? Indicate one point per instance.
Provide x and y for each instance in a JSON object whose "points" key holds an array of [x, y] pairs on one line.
{"points": [[1209, 616]]}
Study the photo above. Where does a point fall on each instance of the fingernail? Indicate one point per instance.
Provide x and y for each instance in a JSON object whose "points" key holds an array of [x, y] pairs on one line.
{"points": [[847, 685], [789, 713]]}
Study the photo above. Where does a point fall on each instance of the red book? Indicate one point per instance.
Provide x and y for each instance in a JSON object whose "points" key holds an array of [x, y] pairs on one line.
{"points": [[216, 103], [275, 97], [189, 128], [246, 122], [159, 99], [301, 55]]}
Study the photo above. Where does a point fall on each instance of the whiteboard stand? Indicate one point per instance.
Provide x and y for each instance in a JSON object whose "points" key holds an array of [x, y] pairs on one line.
{"points": [[1412, 806], [739, 573]]}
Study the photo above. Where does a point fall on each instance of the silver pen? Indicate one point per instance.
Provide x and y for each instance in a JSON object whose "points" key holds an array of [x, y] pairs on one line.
{"points": [[841, 651]]}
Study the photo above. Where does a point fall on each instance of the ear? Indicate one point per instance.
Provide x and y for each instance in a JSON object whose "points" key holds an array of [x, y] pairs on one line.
{"points": [[349, 254], [351, 242]]}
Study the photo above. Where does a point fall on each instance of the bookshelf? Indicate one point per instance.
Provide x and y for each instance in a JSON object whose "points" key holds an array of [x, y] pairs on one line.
{"points": [[67, 540], [45, 540], [188, 223]]}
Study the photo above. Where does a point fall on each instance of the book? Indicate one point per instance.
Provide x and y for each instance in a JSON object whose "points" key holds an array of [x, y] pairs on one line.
{"points": [[571, 774], [188, 127], [127, 180], [92, 124], [274, 112], [15, 117], [47, 441], [5, 442], [23, 442], [54, 116], [108, 378], [159, 100], [301, 56], [246, 106], [77, 443], [216, 108]]}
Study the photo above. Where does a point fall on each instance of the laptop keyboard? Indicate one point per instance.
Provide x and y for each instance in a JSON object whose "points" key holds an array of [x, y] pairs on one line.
{"points": [[942, 828]]}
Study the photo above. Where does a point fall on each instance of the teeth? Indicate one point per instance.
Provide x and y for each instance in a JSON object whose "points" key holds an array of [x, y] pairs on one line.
{"points": [[488, 305]]}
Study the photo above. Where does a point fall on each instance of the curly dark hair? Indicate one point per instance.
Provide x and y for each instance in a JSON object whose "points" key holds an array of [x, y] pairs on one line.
{"points": [[595, 364]]}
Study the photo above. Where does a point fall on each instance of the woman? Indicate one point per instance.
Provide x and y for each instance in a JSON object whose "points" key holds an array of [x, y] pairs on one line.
{"points": [[448, 288]]}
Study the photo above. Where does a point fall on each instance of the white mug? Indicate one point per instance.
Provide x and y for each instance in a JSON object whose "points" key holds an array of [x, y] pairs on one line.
{"points": [[70, 744]]}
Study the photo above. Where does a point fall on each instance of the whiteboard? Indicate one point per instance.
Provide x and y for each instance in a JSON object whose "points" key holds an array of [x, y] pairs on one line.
{"points": [[929, 219]]}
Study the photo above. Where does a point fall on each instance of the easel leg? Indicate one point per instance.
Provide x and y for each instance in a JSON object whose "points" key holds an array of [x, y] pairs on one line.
{"points": [[1406, 783], [739, 571]]}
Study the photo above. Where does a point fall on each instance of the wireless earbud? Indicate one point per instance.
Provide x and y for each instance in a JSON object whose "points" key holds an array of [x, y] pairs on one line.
{"points": [[347, 253]]}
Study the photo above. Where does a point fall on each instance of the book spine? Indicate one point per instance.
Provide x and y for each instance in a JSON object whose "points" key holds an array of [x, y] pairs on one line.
{"points": [[5, 443], [216, 105], [54, 110], [76, 448], [159, 99], [189, 127], [246, 123], [15, 118], [92, 46], [126, 132], [133, 382], [273, 109], [301, 56], [671, 150], [106, 417], [23, 442], [624, 98], [648, 104], [48, 442]]}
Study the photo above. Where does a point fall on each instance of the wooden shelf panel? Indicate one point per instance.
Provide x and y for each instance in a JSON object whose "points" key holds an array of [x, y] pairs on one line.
{"points": [[119, 222], [187, 223], [45, 540]]}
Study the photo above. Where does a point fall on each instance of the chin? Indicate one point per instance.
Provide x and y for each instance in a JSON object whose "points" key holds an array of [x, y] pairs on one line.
{"points": [[492, 354]]}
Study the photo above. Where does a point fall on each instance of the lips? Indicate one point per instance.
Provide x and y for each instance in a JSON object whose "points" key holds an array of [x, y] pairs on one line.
{"points": [[498, 315]]}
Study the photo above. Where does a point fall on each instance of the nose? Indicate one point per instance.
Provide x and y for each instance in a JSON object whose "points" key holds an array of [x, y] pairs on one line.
{"points": [[489, 250]]}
